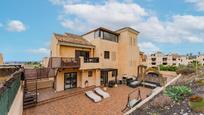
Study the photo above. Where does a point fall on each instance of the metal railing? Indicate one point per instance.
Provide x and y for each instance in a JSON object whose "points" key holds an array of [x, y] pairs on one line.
{"points": [[91, 60], [64, 62], [8, 92]]}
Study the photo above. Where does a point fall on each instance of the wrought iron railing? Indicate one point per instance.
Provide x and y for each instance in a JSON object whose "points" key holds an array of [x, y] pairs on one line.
{"points": [[64, 62], [91, 60]]}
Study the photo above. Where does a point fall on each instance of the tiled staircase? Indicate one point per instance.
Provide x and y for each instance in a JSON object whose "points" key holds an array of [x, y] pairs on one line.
{"points": [[30, 94]]}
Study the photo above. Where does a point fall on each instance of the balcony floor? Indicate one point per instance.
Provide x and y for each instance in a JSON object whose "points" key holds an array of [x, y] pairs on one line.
{"points": [[81, 105]]}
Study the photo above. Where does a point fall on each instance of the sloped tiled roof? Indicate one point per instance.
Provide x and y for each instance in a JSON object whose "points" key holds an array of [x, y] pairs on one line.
{"points": [[73, 39]]}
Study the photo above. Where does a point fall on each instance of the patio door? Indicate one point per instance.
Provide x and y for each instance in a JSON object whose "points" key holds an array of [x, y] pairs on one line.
{"points": [[104, 78], [70, 80], [79, 53]]}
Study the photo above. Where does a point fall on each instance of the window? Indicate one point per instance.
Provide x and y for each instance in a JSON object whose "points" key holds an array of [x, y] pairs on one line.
{"points": [[97, 34], [90, 73], [106, 54], [110, 37]]}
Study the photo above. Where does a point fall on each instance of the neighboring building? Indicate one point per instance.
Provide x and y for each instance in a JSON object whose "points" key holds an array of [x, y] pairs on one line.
{"points": [[1, 59], [159, 58], [200, 58], [45, 62], [143, 59], [94, 58]]}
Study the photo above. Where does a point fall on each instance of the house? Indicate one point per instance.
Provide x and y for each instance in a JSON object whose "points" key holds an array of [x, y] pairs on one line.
{"points": [[1, 59], [94, 58]]}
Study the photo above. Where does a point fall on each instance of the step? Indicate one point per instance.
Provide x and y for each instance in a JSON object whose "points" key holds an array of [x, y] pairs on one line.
{"points": [[28, 106], [29, 102], [29, 99]]}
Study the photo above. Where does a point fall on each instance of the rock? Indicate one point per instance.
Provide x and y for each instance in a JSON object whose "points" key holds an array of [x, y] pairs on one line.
{"points": [[185, 114]]}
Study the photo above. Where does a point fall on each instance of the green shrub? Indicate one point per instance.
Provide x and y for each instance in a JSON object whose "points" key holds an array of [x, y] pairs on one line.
{"points": [[177, 93], [168, 68]]}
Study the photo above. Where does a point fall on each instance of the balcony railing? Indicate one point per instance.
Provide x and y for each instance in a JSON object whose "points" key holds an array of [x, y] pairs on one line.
{"points": [[91, 60], [64, 62]]}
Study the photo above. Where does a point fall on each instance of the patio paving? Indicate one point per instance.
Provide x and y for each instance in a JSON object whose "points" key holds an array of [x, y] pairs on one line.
{"points": [[81, 105]]}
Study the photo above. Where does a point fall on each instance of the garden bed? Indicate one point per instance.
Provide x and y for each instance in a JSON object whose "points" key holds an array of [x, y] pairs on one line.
{"points": [[163, 105]]}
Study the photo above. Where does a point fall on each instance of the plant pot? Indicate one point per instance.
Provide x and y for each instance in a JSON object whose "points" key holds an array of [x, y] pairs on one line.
{"points": [[196, 103]]}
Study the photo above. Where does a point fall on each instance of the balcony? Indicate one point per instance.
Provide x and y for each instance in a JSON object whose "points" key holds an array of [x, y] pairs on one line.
{"points": [[153, 59], [89, 63], [81, 63], [63, 62]]}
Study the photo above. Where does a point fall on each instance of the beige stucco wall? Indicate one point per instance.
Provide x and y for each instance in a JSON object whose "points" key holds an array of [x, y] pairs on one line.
{"points": [[70, 51], [85, 66], [124, 56], [128, 53], [82, 76], [126, 50], [17, 105], [1, 59], [54, 47]]}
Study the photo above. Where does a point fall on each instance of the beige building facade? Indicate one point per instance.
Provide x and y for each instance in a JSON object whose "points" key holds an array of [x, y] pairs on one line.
{"points": [[159, 58], [1, 59], [94, 58]]}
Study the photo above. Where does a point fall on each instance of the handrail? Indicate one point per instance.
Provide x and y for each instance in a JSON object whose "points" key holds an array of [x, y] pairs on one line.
{"points": [[91, 60], [63, 62]]}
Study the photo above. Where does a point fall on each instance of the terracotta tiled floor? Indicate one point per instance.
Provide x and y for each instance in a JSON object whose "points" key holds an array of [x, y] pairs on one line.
{"points": [[81, 105], [45, 94]]}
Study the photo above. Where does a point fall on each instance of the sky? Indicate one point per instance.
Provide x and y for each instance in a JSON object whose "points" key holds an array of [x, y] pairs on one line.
{"points": [[26, 26]]}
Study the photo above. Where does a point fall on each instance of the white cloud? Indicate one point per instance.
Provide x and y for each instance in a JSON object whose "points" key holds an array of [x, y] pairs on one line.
{"points": [[148, 47], [180, 28], [82, 16], [199, 4], [16, 26], [43, 51], [108, 14]]}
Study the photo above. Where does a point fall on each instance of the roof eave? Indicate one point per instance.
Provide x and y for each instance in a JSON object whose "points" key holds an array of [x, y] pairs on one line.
{"points": [[75, 45]]}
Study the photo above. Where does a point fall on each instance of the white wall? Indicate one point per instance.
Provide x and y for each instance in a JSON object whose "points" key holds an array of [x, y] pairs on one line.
{"points": [[17, 105]]}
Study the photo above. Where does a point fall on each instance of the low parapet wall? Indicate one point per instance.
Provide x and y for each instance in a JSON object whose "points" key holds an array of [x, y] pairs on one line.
{"points": [[152, 95], [17, 105]]}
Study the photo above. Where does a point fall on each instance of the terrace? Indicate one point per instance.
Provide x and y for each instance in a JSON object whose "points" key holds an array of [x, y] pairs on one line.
{"points": [[74, 101], [79, 104]]}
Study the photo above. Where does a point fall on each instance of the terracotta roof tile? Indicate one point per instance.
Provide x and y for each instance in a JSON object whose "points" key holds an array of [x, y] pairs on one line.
{"points": [[72, 38]]}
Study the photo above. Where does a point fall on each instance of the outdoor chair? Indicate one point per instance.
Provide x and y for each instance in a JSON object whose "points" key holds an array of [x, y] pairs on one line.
{"points": [[134, 84], [102, 93], [93, 96], [111, 84], [133, 102], [129, 80]]}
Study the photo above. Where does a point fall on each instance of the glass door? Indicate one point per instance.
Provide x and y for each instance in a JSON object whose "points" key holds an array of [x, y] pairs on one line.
{"points": [[70, 80], [79, 53], [104, 78]]}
